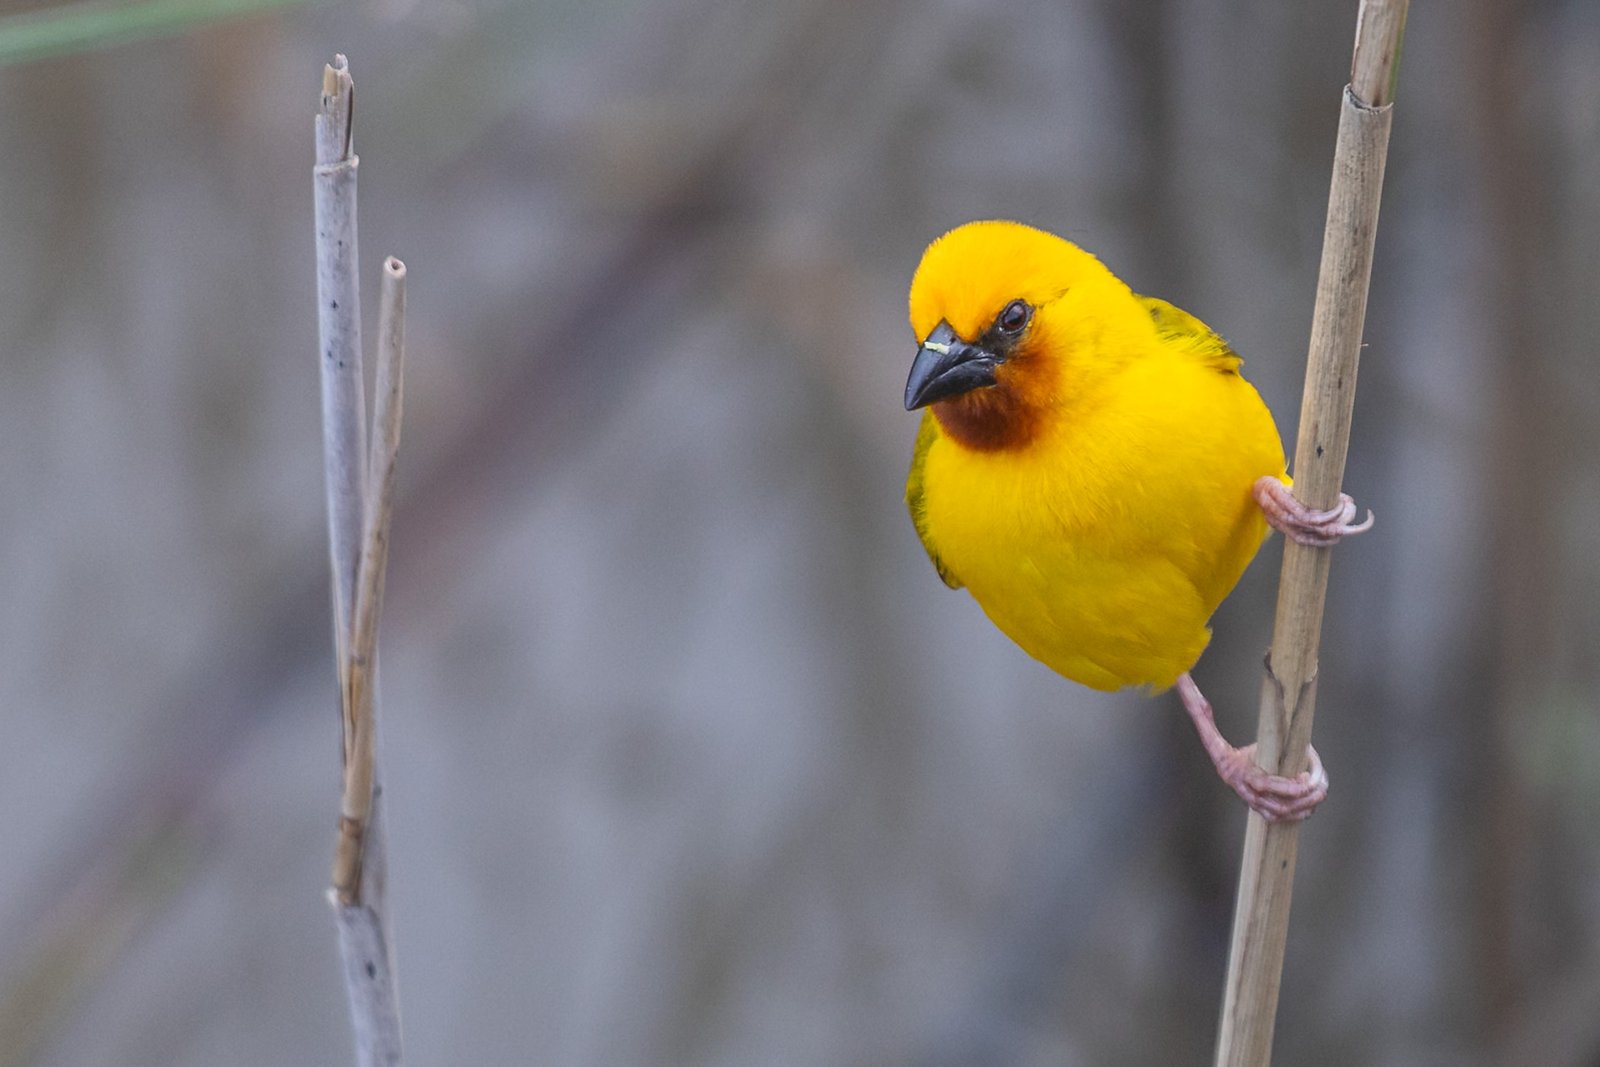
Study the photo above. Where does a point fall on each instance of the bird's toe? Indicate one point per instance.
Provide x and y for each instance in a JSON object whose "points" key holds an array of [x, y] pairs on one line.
{"points": [[1277, 797], [1318, 527]]}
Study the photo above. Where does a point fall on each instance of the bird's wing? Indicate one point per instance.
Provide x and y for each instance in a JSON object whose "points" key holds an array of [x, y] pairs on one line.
{"points": [[1185, 333], [914, 496]]}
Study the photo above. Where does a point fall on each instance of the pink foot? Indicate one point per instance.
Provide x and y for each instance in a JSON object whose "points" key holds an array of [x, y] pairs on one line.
{"points": [[1307, 526], [1271, 796]]}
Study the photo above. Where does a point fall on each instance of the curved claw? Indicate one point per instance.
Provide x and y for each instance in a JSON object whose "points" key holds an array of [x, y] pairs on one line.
{"points": [[1273, 797], [1306, 525]]}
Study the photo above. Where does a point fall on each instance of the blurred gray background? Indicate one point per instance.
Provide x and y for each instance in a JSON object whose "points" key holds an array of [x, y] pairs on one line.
{"points": [[691, 758]]}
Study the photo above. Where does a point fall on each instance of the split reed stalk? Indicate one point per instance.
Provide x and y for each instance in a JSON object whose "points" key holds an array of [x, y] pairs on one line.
{"points": [[360, 487]]}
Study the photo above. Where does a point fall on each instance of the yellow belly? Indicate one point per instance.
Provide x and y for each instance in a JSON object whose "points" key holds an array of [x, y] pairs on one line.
{"points": [[1103, 549]]}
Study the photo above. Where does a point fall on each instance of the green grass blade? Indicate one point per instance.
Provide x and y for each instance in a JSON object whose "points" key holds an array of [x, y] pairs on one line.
{"points": [[93, 24]]}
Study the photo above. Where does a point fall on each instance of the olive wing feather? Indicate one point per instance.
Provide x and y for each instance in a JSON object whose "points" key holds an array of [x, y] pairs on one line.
{"points": [[915, 500], [1184, 332]]}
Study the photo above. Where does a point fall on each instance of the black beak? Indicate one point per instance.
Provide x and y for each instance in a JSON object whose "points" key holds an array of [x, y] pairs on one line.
{"points": [[947, 366]]}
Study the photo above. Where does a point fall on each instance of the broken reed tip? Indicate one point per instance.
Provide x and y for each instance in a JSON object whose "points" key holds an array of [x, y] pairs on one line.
{"points": [[335, 76], [393, 266]]}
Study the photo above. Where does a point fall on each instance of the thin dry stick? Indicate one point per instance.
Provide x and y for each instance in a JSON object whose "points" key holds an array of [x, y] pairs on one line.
{"points": [[1288, 693], [360, 670], [358, 895], [360, 488]]}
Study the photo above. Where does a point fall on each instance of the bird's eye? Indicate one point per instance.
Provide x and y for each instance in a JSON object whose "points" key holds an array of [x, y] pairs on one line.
{"points": [[1013, 317]]}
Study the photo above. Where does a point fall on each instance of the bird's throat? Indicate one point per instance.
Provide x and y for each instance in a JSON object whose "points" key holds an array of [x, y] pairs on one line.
{"points": [[996, 418]]}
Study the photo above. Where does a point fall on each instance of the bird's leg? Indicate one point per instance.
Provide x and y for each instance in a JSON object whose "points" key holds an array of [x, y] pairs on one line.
{"points": [[1308, 526], [1272, 796]]}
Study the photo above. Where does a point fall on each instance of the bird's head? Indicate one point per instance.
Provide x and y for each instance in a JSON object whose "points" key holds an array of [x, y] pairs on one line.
{"points": [[1015, 326]]}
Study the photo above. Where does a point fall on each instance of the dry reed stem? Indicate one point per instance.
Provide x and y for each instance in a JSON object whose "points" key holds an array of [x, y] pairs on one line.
{"points": [[360, 668], [1288, 695], [360, 491]]}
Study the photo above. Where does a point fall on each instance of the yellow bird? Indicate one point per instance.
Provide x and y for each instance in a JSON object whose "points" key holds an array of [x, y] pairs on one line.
{"points": [[1095, 471]]}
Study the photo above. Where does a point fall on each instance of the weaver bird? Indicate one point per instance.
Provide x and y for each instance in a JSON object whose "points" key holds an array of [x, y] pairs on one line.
{"points": [[1095, 471]]}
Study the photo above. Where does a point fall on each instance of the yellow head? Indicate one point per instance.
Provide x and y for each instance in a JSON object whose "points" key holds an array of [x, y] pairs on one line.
{"points": [[1015, 325]]}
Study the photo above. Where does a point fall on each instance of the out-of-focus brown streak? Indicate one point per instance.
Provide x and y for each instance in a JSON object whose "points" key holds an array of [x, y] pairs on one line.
{"points": [[1522, 548], [561, 391]]}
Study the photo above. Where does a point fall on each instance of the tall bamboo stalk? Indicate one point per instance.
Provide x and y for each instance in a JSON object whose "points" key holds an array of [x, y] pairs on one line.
{"points": [[360, 487], [1288, 692]]}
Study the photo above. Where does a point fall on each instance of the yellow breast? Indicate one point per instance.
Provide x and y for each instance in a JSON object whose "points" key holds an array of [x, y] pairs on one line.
{"points": [[1104, 545]]}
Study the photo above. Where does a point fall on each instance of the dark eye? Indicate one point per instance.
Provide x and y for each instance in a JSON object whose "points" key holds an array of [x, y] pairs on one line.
{"points": [[1013, 317]]}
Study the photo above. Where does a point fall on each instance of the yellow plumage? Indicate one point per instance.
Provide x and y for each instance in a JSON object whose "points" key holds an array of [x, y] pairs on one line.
{"points": [[1095, 495]]}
